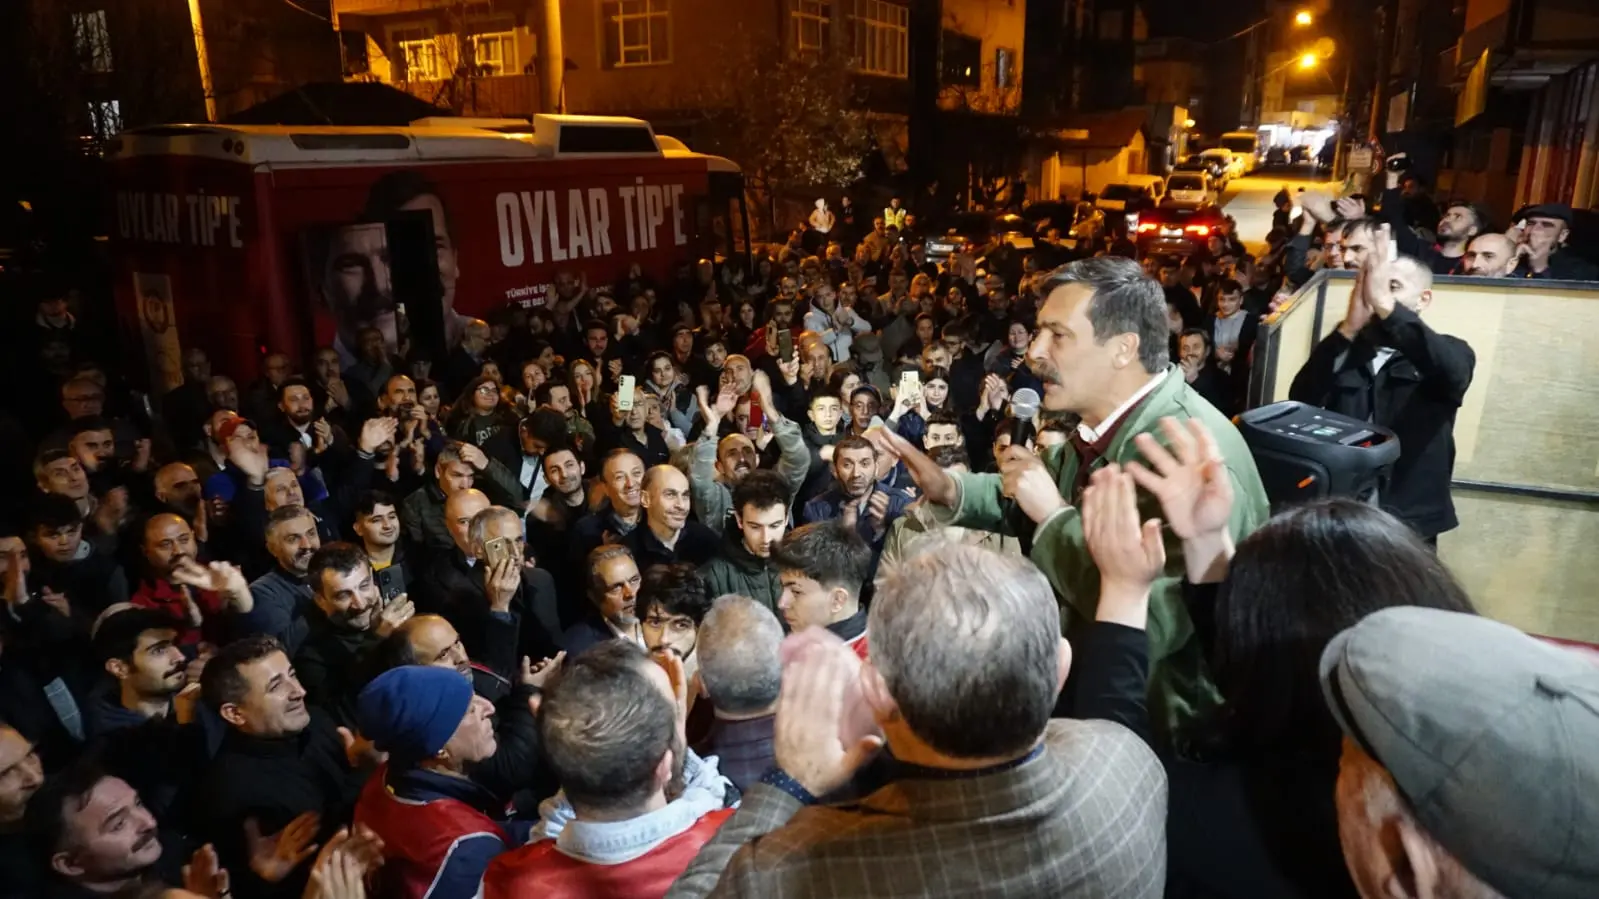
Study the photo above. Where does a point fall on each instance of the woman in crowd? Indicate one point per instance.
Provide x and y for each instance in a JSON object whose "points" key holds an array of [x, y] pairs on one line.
{"points": [[911, 413], [480, 412], [1251, 791]]}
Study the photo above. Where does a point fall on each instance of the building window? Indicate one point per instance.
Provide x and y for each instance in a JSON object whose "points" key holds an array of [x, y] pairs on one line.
{"points": [[813, 25], [495, 53], [417, 52], [963, 60], [637, 32], [1004, 68], [105, 118], [882, 38], [91, 40]]}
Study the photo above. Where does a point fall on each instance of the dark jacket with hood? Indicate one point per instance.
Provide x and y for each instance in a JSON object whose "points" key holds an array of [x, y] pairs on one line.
{"points": [[737, 570]]}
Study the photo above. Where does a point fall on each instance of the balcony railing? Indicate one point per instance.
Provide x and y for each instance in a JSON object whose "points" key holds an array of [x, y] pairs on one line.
{"points": [[496, 96]]}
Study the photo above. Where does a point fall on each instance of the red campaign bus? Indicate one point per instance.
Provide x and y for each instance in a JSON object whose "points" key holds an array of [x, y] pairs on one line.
{"points": [[248, 240]]}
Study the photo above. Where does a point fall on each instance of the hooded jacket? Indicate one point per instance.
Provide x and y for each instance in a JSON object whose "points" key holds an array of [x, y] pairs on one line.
{"points": [[737, 570]]}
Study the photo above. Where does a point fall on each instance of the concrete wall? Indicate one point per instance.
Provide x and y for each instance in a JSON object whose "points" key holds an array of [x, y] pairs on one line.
{"points": [[1002, 24]]}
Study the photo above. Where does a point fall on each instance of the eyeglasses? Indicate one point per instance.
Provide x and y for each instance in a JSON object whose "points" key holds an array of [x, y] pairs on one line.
{"points": [[488, 389]]}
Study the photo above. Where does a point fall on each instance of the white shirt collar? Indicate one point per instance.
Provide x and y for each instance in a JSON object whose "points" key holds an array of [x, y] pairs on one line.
{"points": [[1093, 435]]}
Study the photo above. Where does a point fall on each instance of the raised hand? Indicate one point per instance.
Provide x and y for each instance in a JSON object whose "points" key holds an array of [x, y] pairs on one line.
{"points": [[938, 485], [538, 674], [273, 858], [474, 457], [321, 436], [378, 432], [252, 460], [1129, 555], [397, 612], [877, 512], [1350, 208], [204, 875], [500, 583], [811, 716], [1190, 479]]}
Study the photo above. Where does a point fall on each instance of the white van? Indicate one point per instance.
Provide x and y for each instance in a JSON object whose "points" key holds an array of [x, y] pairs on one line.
{"points": [[1245, 147]]}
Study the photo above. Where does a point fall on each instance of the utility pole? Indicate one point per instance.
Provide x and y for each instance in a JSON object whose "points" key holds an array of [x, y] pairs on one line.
{"points": [[1385, 57], [552, 58], [207, 86]]}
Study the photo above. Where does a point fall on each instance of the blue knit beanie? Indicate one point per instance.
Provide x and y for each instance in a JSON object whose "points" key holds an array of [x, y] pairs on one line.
{"points": [[411, 712]]}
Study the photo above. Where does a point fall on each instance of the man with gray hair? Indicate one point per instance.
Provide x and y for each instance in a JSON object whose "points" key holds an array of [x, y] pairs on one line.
{"points": [[1452, 787], [1101, 352], [741, 670], [988, 795]]}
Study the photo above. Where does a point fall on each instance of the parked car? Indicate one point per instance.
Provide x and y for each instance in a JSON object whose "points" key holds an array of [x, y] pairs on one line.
{"points": [[1127, 198], [1299, 155], [1189, 189], [1216, 169], [1232, 164], [1276, 156], [979, 229], [1176, 230], [1077, 221]]}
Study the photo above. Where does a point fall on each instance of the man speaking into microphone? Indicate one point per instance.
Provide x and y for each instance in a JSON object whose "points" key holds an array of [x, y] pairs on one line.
{"points": [[1101, 352]]}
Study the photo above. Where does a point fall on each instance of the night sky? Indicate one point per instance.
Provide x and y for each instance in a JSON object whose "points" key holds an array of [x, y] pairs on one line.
{"points": [[1204, 21]]}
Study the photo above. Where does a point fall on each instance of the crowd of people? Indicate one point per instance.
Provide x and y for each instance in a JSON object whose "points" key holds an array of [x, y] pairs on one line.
{"points": [[757, 583]]}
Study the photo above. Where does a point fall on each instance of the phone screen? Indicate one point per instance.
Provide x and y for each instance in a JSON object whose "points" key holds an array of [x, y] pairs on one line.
{"points": [[624, 394], [910, 385], [785, 345]]}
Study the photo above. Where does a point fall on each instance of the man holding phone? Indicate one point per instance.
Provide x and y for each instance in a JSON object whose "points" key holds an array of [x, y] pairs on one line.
{"points": [[1384, 364]]}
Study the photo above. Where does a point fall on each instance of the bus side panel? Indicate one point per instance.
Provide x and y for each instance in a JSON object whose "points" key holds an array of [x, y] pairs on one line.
{"points": [[505, 230], [185, 236]]}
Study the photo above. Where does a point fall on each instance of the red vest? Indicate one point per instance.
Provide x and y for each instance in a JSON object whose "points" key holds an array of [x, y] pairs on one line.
{"points": [[417, 836], [539, 869]]}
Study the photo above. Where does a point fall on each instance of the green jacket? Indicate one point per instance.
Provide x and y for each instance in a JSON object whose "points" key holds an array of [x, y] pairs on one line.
{"points": [[1180, 685], [737, 570]]}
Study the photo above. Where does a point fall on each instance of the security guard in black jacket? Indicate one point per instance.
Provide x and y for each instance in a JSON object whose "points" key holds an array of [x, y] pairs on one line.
{"points": [[1384, 364]]}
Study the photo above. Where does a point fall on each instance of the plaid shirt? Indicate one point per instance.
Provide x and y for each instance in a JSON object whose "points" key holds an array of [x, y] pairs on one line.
{"points": [[1084, 819]]}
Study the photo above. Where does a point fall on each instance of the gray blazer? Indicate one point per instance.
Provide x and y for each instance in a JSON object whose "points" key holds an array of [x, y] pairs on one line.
{"points": [[1085, 819]]}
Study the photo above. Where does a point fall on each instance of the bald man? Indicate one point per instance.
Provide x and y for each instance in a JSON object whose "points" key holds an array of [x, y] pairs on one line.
{"points": [[432, 641], [1383, 363], [1490, 256], [178, 488], [668, 534]]}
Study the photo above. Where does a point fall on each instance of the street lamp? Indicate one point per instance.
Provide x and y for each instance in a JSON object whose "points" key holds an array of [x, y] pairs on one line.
{"points": [[1308, 61], [1303, 18]]}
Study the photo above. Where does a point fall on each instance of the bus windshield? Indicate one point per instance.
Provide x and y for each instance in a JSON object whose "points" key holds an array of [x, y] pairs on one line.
{"points": [[1240, 143]]}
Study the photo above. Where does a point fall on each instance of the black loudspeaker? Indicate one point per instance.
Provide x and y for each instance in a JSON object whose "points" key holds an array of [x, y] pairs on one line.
{"points": [[415, 282], [1305, 453]]}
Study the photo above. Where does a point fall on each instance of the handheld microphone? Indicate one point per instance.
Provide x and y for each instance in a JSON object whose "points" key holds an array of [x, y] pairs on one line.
{"points": [[1023, 409]]}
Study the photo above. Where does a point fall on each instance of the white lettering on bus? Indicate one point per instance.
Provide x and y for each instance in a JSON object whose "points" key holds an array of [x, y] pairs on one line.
{"points": [[532, 224], [196, 219]]}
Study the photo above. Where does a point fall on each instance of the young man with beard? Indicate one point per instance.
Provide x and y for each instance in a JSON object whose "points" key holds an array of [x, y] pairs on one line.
{"points": [[720, 463], [612, 727], [856, 497], [550, 519], [612, 589], [669, 535], [744, 566], [344, 624], [283, 775], [195, 598], [282, 594], [377, 526]]}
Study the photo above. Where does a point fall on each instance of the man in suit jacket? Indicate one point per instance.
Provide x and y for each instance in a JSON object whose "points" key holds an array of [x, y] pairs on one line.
{"points": [[1102, 353], [1383, 364], [985, 794]]}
